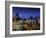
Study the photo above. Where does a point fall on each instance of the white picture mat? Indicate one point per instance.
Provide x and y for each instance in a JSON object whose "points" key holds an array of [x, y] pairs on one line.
{"points": [[32, 31]]}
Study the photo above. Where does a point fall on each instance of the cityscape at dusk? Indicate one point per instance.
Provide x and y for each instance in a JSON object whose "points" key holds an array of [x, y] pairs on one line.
{"points": [[24, 18]]}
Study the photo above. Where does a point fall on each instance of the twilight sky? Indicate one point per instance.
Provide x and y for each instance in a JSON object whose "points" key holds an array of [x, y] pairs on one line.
{"points": [[25, 12]]}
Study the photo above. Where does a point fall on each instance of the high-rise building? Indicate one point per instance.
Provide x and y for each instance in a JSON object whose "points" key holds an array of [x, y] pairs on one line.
{"points": [[17, 14]]}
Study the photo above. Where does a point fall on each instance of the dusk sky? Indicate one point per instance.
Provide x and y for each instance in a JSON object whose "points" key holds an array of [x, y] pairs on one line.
{"points": [[25, 12]]}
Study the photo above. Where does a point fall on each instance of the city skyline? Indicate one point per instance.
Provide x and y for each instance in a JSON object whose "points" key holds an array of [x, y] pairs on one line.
{"points": [[25, 12]]}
